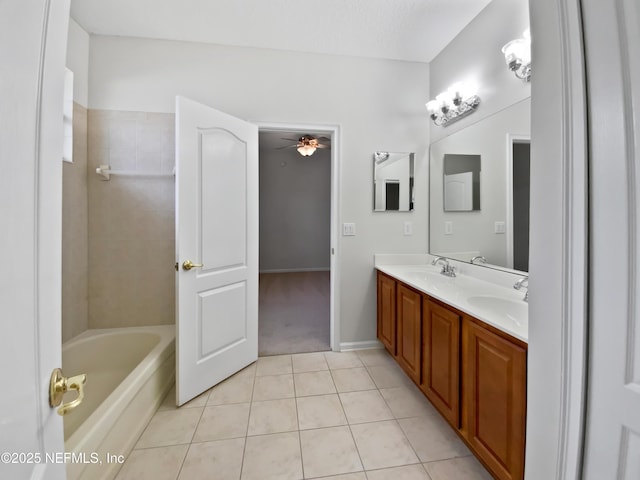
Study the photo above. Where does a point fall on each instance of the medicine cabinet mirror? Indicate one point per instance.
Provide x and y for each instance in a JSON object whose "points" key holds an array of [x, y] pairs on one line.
{"points": [[393, 181]]}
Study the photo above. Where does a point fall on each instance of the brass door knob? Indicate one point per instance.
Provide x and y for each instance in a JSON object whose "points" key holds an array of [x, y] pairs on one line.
{"points": [[188, 265], [60, 384]]}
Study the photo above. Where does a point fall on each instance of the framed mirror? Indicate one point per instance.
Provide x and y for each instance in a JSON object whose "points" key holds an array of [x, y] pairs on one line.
{"points": [[487, 218], [393, 181]]}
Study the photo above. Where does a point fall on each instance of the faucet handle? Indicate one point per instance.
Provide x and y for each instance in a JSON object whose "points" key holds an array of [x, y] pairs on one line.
{"points": [[523, 282]]}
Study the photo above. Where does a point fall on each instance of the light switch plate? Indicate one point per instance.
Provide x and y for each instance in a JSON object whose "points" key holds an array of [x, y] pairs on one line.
{"points": [[408, 228], [348, 229], [499, 227]]}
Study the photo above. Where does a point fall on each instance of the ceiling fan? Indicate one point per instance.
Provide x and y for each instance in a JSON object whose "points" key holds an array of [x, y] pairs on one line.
{"points": [[307, 144]]}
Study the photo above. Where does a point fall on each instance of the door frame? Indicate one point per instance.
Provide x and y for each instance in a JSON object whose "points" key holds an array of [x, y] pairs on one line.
{"points": [[559, 245], [512, 138], [333, 131]]}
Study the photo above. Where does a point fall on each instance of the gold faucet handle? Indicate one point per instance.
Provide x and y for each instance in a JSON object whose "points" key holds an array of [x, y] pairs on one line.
{"points": [[59, 385]]}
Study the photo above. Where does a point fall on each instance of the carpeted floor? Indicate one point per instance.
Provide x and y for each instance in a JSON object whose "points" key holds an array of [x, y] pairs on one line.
{"points": [[293, 314]]}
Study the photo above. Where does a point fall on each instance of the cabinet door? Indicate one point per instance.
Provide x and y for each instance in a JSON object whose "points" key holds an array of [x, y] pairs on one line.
{"points": [[409, 341], [494, 388], [441, 359], [387, 312]]}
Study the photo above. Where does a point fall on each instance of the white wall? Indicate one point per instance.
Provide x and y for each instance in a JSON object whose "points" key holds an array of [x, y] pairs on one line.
{"points": [[78, 62], [474, 231], [475, 56], [379, 105], [295, 210]]}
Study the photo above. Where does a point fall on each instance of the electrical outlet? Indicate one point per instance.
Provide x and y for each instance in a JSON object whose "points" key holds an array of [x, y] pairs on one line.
{"points": [[499, 227], [448, 228], [408, 228], [348, 229]]}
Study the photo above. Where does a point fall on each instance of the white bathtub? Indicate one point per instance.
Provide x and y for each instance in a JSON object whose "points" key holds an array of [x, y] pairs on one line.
{"points": [[129, 371]]}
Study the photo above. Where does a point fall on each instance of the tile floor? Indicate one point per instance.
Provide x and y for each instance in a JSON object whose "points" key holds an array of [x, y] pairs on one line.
{"points": [[341, 416]]}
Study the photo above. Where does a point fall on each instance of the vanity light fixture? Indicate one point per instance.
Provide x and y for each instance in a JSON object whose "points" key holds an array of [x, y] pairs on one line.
{"points": [[457, 102], [517, 54]]}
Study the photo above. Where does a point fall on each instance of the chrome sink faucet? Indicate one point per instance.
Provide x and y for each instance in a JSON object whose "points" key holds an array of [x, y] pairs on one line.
{"points": [[523, 283], [479, 258], [447, 269]]}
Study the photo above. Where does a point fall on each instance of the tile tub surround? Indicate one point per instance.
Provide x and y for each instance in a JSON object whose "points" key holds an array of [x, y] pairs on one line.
{"points": [[131, 220], [352, 427], [75, 236], [471, 281]]}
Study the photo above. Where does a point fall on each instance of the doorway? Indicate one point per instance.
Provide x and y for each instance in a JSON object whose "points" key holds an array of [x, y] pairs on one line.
{"points": [[518, 199], [296, 242], [521, 168]]}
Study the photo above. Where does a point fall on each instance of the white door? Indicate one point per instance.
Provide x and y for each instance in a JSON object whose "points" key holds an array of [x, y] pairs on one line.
{"points": [[458, 192], [217, 228], [612, 442], [33, 36]]}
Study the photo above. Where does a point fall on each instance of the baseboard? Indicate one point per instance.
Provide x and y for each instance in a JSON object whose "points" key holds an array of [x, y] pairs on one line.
{"points": [[348, 346], [296, 270]]}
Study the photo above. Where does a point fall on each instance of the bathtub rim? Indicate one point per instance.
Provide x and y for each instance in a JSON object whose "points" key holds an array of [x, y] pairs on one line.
{"points": [[100, 421]]}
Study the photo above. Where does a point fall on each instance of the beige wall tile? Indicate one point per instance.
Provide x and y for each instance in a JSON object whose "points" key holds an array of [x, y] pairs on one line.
{"points": [[75, 253], [131, 220]]}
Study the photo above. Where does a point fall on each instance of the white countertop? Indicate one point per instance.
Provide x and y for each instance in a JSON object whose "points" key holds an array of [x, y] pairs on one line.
{"points": [[495, 303]]}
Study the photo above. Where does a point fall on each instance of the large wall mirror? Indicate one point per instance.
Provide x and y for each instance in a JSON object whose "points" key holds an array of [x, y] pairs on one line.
{"points": [[392, 182], [485, 211]]}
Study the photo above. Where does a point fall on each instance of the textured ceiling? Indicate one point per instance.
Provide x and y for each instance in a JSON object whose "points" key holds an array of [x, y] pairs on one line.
{"points": [[414, 30]]}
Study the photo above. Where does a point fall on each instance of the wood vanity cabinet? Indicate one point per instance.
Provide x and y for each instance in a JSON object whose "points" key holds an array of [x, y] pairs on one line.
{"points": [[441, 359], [473, 373], [409, 328], [386, 312], [494, 398]]}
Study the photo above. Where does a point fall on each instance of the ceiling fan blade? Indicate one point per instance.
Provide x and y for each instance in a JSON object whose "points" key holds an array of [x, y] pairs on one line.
{"points": [[286, 146], [324, 139], [322, 145], [291, 139]]}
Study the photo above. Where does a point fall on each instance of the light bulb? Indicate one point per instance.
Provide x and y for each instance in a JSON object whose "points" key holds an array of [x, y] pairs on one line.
{"points": [[433, 106], [444, 99]]}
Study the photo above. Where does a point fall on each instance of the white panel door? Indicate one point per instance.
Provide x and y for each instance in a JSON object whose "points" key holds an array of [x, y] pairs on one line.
{"points": [[612, 443], [217, 230], [33, 36]]}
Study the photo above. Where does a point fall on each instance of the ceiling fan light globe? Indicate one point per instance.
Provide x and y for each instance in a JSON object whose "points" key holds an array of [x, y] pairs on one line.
{"points": [[306, 150]]}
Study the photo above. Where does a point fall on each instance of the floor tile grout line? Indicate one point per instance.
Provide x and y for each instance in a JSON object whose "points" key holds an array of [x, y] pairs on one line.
{"points": [[295, 403], [396, 419], [352, 436], [184, 459], [246, 436]]}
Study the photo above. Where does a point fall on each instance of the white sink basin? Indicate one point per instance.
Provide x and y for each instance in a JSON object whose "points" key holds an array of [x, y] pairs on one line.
{"points": [[514, 310], [425, 275]]}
